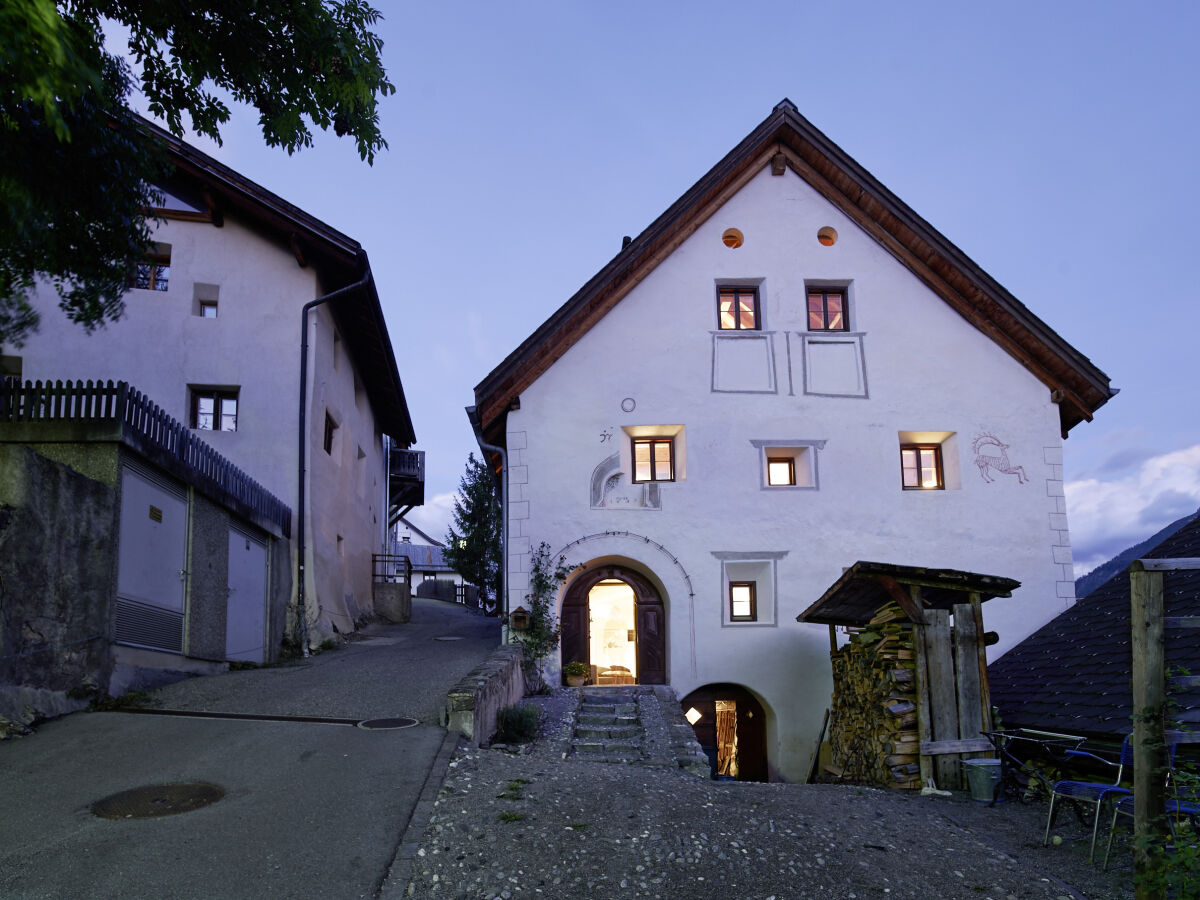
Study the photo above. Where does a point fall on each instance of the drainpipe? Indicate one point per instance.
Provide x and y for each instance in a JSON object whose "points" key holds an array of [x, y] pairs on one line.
{"points": [[485, 448], [301, 611]]}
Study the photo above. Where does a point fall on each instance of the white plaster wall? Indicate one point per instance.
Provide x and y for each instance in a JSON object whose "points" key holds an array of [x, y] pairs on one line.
{"points": [[160, 347], [927, 369]]}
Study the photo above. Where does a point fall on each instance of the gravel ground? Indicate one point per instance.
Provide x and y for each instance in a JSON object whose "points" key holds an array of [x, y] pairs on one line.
{"points": [[533, 823]]}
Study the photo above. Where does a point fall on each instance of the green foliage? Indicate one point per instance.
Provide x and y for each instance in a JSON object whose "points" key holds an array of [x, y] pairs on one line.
{"points": [[511, 816], [575, 667], [473, 541], [517, 725], [540, 639], [76, 168]]}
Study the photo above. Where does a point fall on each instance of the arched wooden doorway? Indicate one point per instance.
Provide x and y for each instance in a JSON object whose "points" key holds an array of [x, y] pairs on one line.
{"points": [[649, 622], [731, 727]]}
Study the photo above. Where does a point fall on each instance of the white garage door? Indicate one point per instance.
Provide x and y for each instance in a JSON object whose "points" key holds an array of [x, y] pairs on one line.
{"points": [[151, 562]]}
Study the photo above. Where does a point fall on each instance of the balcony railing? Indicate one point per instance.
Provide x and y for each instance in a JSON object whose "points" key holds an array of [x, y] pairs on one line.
{"points": [[146, 423]]}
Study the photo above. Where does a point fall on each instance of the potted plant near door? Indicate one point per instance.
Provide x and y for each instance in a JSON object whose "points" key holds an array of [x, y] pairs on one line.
{"points": [[576, 673]]}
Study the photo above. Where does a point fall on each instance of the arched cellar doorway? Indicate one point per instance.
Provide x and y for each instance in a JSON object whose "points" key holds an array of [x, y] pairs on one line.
{"points": [[731, 727], [614, 621]]}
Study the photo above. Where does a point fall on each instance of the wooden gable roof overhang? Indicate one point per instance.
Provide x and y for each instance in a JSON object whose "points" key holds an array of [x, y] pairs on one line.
{"points": [[338, 261], [786, 140], [856, 597]]}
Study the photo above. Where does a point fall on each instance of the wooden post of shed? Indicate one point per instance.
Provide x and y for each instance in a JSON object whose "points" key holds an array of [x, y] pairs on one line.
{"points": [[1149, 738]]}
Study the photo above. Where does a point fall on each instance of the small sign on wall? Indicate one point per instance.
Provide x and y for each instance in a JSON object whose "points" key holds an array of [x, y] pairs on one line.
{"points": [[155, 514]]}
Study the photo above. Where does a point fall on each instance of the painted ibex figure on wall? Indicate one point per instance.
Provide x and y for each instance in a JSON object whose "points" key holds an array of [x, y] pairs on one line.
{"points": [[1000, 463]]}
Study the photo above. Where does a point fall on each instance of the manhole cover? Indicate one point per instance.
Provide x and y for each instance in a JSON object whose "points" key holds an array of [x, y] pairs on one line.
{"points": [[384, 724], [157, 800], [448, 637]]}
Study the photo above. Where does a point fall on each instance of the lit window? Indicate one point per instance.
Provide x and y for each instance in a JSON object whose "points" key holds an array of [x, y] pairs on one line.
{"points": [[208, 309], [921, 467], [214, 410], [742, 606], [653, 459], [781, 471], [153, 273], [738, 309], [827, 310]]}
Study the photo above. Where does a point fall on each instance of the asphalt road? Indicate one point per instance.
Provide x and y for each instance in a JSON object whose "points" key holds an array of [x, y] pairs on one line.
{"points": [[310, 809]]}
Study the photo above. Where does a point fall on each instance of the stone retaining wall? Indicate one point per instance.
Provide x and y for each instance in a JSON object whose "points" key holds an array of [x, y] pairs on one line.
{"points": [[472, 704]]}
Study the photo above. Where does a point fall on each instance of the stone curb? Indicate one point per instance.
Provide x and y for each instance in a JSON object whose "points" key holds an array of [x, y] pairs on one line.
{"points": [[395, 883]]}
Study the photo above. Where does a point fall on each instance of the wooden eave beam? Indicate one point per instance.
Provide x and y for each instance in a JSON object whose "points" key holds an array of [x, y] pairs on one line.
{"points": [[297, 245]]}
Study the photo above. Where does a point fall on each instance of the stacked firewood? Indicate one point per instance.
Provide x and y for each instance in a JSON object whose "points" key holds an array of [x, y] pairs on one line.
{"points": [[873, 723]]}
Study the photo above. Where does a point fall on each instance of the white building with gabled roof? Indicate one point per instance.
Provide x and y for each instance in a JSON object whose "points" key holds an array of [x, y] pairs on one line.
{"points": [[785, 373]]}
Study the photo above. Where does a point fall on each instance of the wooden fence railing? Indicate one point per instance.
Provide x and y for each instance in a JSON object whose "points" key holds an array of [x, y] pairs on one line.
{"points": [[141, 418]]}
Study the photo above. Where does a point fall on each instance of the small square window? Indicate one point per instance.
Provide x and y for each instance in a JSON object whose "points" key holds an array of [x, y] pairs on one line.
{"points": [[153, 273], [653, 459], [781, 471], [827, 310], [921, 467], [742, 602], [214, 410], [208, 309], [737, 309]]}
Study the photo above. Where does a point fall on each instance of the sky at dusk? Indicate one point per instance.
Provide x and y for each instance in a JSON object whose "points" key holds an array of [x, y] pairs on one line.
{"points": [[1054, 143]]}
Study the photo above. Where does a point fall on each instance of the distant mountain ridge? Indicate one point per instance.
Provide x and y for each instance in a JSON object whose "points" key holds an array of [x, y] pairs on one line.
{"points": [[1085, 584]]}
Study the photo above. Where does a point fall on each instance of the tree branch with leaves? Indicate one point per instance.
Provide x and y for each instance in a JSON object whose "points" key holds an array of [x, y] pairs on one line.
{"points": [[77, 173], [473, 541]]}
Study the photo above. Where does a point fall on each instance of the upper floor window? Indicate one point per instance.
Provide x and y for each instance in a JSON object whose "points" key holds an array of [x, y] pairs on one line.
{"points": [[737, 309], [654, 459], [781, 471], [214, 410], [827, 310], [153, 273], [921, 467]]}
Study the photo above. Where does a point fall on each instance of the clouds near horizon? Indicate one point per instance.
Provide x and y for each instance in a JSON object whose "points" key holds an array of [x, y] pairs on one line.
{"points": [[1107, 516]]}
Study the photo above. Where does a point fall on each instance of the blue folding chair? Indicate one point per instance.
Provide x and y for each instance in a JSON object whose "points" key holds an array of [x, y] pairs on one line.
{"points": [[1178, 805], [1093, 792]]}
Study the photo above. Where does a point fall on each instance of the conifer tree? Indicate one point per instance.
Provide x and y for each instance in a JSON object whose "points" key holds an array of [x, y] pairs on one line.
{"points": [[473, 541]]}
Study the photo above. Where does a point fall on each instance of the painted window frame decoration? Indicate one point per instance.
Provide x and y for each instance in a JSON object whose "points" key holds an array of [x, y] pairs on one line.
{"points": [[756, 567], [222, 409], [736, 317], [803, 454]]}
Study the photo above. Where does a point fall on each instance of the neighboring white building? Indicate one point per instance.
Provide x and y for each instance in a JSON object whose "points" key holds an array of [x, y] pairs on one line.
{"points": [[787, 372], [212, 333]]}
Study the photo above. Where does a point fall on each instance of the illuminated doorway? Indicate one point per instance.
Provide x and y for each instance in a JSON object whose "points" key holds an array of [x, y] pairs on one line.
{"points": [[612, 632], [730, 727], [614, 621]]}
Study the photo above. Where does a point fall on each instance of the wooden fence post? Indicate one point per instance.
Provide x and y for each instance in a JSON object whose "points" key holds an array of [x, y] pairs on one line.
{"points": [[1149, 737]]}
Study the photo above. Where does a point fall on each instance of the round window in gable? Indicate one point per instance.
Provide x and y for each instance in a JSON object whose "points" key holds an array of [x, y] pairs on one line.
{"points": [[827, 236], [732, 238]]}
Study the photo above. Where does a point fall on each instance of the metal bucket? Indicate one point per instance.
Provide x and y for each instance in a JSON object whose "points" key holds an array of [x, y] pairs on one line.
{"points": [[983, 777]]}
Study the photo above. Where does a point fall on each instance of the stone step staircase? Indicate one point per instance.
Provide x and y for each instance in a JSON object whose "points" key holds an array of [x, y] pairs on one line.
{"points": [[637, 725], [607, 727]]}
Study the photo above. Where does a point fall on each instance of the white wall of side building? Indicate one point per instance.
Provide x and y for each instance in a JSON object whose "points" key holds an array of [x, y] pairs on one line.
{"points": [[650, 362], [162, 346]]}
